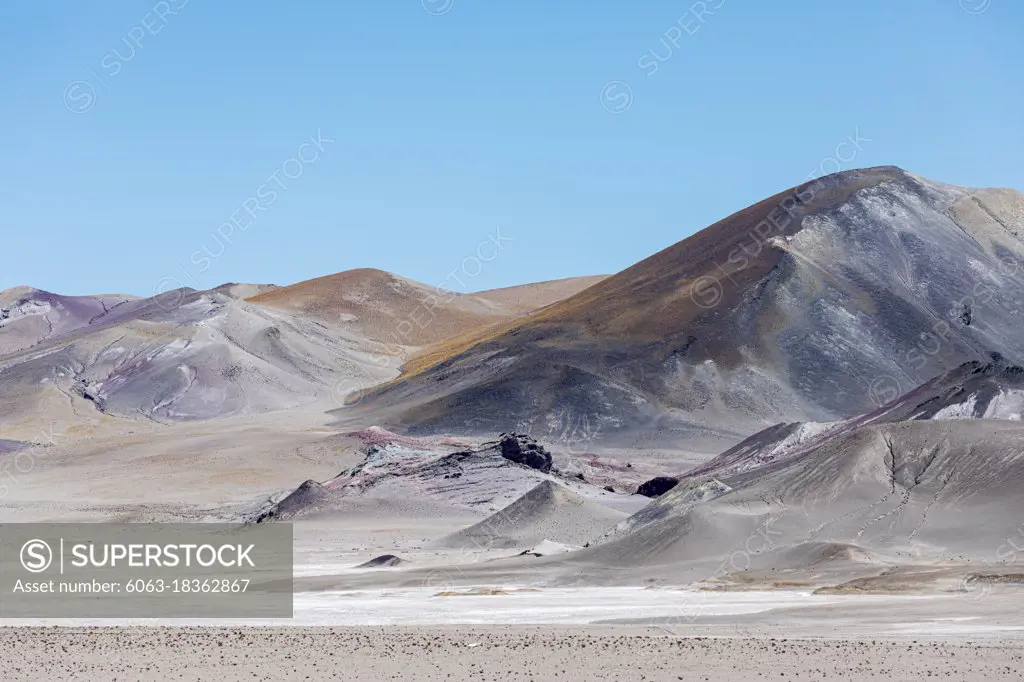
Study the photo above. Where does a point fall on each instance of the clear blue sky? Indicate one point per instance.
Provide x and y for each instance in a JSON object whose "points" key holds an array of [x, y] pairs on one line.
{"points": [[454, 118]]}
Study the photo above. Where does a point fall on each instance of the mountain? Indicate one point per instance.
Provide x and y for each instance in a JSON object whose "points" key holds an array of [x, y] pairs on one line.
{"points": [[29, 316], [929, 477], [238, 349], [182, 356], [975, 390], [536, 295], [915, 492], [402, 313], [815, 304]]}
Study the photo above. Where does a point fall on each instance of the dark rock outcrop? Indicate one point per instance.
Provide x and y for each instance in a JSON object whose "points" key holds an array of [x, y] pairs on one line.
{"points": [[659, 485], [382, 561], [522, 449]]}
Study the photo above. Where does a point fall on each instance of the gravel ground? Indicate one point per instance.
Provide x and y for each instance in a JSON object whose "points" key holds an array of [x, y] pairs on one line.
{"points": [[475, 653]]}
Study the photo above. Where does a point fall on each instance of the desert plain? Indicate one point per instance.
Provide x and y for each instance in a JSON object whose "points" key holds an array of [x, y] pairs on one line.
{"points": [[808, 468]]}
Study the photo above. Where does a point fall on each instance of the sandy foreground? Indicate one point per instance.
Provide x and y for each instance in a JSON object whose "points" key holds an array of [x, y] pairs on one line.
{"points": [[480, 653], [721, 636]]}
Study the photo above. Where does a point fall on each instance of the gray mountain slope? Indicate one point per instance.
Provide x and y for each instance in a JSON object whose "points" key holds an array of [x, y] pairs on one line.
{"points": [[235, 350], [29, 316], [182, 356], [813, 305], [920, 491], [932, 476], [975, 390]]}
